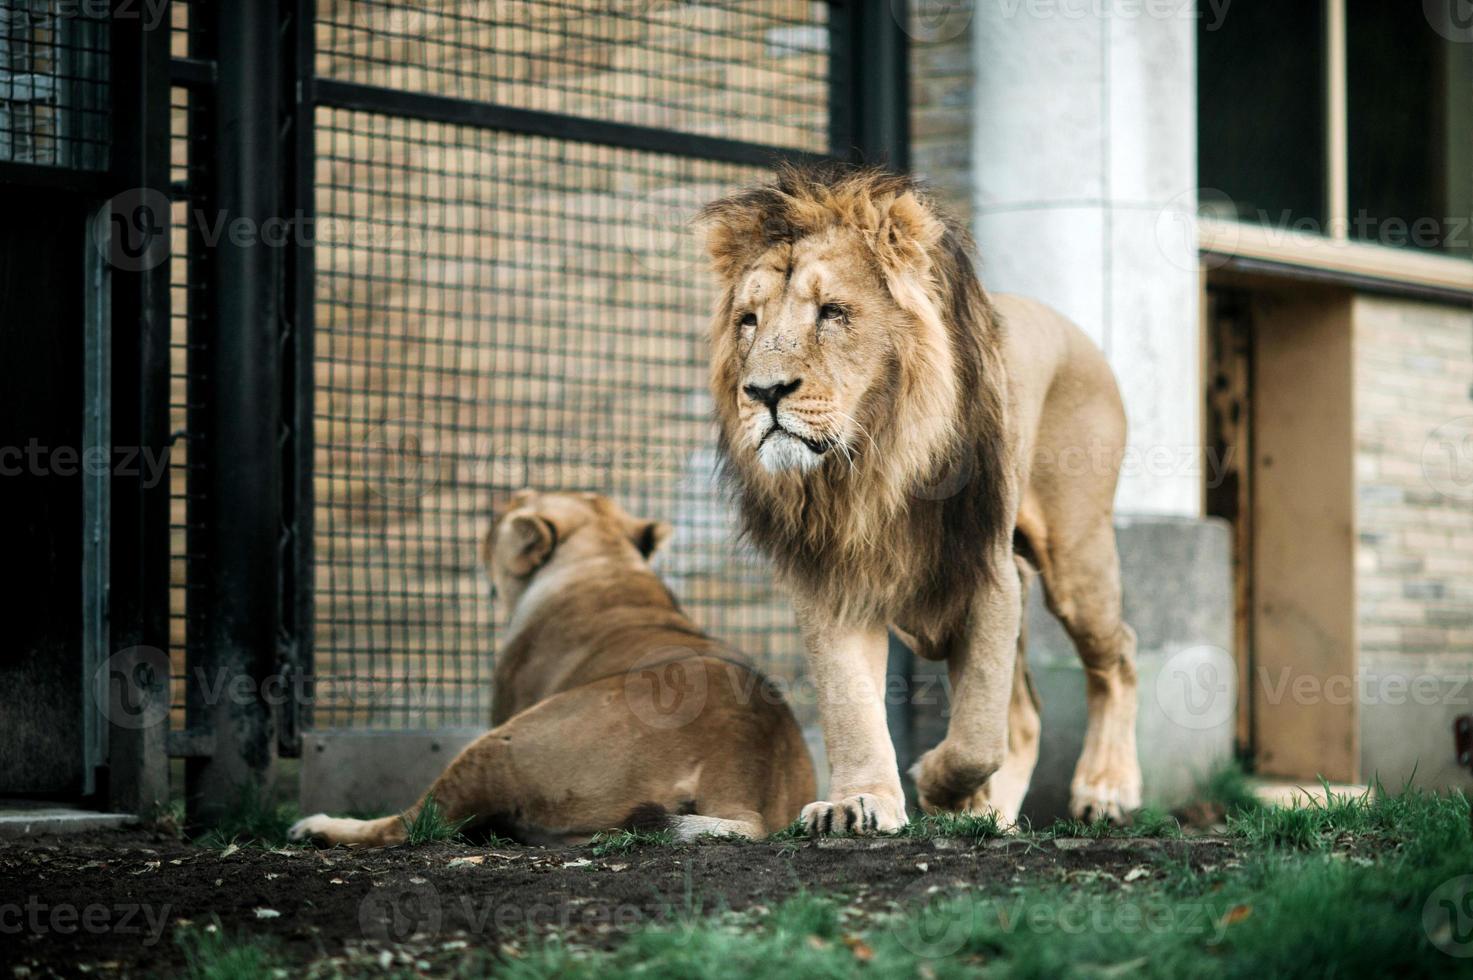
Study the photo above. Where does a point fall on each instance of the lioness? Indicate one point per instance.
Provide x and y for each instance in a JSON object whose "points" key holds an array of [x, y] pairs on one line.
{"points": [[610, 707], [892, 435]]}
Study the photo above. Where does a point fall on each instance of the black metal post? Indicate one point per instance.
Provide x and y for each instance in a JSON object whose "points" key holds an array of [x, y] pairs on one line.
{"points": [[137, 601], [869, 84], [869, 123], [298, 377], [244, 471]]}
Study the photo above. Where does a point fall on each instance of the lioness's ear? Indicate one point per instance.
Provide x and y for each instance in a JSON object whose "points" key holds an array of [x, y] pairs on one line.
{"points": [[648, 536], [531, 540], [909, 232]]}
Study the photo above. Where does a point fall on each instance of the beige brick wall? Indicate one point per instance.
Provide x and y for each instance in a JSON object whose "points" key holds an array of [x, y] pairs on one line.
{"points": [[941, 101], [1414, 478]]}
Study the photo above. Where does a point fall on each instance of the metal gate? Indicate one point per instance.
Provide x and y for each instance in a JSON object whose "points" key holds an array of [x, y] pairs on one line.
{"points": [[422, 253]]}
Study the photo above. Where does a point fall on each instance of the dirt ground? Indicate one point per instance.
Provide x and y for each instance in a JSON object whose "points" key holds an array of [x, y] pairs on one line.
{"points": [[114, 901]]}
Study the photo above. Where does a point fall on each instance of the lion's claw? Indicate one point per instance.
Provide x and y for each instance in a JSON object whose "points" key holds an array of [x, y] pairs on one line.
{"points": [[863, 813]]}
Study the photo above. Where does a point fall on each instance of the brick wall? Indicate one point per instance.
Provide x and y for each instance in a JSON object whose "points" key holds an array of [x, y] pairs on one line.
{"points": [[1414, 528], [941, 100], [1414, 474]]}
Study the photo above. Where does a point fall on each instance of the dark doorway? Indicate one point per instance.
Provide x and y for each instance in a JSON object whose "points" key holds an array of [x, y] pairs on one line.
{"points": [[42, 323]]}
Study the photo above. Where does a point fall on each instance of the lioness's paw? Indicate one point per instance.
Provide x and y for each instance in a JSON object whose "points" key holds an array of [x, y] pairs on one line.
{"points": [[864, 813], [309, 828]]}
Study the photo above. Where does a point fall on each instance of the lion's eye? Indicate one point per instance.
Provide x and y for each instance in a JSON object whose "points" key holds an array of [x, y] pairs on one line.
{"points": [[749, 319], [830, 311]]}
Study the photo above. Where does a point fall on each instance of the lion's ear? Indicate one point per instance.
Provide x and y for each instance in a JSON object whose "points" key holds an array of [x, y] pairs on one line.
{"points": [[532, 539], [908, 234], [731, 233], [648, 536]]}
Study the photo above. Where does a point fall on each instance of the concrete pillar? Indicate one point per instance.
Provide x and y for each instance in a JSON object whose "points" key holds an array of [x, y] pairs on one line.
{"points": [[1085, 171]]}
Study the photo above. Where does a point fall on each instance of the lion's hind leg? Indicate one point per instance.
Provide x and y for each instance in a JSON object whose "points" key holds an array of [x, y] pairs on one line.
{"points": [[1081, 576]]}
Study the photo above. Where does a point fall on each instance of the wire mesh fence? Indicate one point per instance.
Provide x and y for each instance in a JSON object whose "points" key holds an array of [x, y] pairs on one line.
{"points": [[497, 310], [53, 84], [189, 383]]}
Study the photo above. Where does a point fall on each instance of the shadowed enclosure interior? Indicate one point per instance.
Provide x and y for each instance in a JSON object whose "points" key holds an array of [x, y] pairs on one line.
{"points": [[498, 308]]}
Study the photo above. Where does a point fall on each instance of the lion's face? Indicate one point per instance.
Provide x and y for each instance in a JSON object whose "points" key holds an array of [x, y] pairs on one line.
{"points": [[814, 332]]}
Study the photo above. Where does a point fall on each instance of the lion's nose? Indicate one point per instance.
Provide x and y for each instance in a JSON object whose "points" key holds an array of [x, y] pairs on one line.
{"points": [[770, 395]]}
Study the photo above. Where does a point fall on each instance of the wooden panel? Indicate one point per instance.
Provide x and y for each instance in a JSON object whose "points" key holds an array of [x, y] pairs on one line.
{"points": [[1304, 711]]}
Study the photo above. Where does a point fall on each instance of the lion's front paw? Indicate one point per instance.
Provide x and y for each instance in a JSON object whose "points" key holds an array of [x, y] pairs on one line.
{"points": [[947, 780], [863, 813]]}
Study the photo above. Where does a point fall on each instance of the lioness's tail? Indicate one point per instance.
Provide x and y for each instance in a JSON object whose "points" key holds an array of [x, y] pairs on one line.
{"points": [[346, 830]]}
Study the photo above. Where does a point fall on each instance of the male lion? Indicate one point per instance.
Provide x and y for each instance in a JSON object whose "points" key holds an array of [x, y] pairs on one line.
{"points": [[892, 435], [611, 708]]}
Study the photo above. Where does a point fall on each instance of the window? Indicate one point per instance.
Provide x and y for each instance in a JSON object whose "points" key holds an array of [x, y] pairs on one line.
{"points": [[1350, 120], [1260, 113], [1410, 112]]}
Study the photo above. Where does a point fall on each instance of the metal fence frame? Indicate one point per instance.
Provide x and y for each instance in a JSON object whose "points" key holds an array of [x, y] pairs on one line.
{"points": [[249, 77]]}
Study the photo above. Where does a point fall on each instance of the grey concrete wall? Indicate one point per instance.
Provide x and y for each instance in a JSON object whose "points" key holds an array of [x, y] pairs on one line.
{"points": [[1177, 575], [1084, 172]]}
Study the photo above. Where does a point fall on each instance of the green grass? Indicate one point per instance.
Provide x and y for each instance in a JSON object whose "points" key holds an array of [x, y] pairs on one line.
{"points": [[973, 826], [1230, 790], [1331, 890], [430, 825], [256, 819], [624, 841], [210, 955]]}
